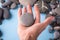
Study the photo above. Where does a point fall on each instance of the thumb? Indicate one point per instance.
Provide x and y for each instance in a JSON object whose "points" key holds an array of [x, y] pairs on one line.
{"points": [[48, 20]]}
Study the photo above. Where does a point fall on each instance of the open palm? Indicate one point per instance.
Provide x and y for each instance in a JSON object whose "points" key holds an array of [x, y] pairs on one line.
{"points": [[32, 32]]}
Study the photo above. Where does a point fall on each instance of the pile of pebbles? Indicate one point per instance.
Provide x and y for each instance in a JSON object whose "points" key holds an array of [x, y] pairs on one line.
{"points": [[45, 6], [5, 9], [55, 24]]}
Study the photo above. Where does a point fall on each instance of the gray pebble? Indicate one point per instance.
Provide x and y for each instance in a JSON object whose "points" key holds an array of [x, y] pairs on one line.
{"points": [[57, 10], [43, 10], [13, 6], [1, 39], [6, 14], [47, 1], [39, 2], [58, 19], [0, 33], [2, 1], [6, 4], [53, 6], [1, 12], [56, 35], [59, 5], [42, 6], [57, 28], [26, 2], [1, 15], [15, 1], [53, 13], [54, 2], [27, 19], [59, 38]]}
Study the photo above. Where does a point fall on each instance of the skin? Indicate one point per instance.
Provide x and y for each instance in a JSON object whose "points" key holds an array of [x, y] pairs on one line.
{"points": [[32, 32]]}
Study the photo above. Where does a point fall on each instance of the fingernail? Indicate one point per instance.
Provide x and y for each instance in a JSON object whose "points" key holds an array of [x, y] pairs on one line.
{"points": [[52, 18], [28, 5]]}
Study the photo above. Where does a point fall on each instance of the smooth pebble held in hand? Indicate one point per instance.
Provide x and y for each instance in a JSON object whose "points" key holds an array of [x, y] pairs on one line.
{"points": [[27, 19]]}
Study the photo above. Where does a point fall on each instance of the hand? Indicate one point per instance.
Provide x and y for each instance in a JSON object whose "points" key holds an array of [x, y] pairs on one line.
{"points": [[32, 32]]}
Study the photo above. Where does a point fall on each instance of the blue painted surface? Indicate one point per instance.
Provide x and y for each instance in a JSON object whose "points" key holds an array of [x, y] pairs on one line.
{"points": [[9, 27]]}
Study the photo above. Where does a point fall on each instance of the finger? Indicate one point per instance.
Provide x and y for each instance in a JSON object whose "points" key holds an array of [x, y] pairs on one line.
{"points": [[24, 10], [29, 9], [37, 11], [19, 14], [48, 20]]}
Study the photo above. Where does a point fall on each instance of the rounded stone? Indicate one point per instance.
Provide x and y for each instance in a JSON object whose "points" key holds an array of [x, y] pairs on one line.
{"points": [[2, 1], [58, 5], [47, 1], [1, 12], [57, 10], [53, 6], [27, 19], [6, 4], [15, 1], [13, 6], [1, 39], [6, 14], [53, 13], [0, 33], [26, 2], [57, 28], [45, 7], [58, 20], [56, 35], [42, 6], [54, 2], [39, 2], [43, 10], [59, 38]]}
